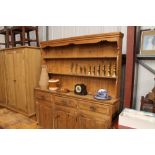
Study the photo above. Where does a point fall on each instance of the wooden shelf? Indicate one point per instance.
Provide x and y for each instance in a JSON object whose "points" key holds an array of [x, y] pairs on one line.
{"points": [[145, 57], [65, 58], [102, 77], [109, 57]]}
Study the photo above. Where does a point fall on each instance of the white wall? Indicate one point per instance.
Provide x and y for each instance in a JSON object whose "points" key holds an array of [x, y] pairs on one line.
{"points": [[56, 32]]}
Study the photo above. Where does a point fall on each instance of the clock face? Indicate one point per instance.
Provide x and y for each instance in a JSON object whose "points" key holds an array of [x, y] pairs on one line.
{"points": [[78, 89]]}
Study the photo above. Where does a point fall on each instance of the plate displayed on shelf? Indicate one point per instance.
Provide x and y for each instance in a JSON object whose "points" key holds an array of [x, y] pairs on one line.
{"points": [[101, 98]]}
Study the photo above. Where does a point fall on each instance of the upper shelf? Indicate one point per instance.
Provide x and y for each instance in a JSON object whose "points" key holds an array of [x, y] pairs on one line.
{"points": [[100, 57], [146, 57]]}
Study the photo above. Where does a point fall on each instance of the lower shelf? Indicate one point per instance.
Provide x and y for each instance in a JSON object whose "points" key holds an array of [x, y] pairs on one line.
{"points": [[80, 75]]}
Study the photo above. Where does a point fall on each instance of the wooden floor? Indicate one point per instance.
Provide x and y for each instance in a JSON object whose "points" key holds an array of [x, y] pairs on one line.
{"points": [[13, 120]]}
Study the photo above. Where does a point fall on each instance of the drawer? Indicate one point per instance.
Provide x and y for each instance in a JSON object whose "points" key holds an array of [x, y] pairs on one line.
{"points": [[63, 101], [43, 95], [43, 102], [94, 107]]}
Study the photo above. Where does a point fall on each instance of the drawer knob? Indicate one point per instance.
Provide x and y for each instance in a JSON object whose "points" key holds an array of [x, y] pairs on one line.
{"points": [[57, 116], [42, 96], [92, 108], [64, 102]]}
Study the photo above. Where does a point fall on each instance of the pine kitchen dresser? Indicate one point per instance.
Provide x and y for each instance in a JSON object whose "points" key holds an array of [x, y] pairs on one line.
{"points": [[93, 60]]}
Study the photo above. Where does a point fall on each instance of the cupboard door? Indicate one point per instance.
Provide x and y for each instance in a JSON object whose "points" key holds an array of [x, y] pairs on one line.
{"points": [[65, 118], [2, 79], [20, 83], [10, 79], [44, 113], [92, 121]]}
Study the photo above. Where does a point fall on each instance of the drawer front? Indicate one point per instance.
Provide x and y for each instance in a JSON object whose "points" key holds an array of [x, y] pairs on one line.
{"points": [[94, 107], [63, 101], [43, 95]]}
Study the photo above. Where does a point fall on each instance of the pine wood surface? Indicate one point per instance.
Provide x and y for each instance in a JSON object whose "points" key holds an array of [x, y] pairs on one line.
{"points": [[44, 95], [44, 113], [81, 60], [21, 66]]}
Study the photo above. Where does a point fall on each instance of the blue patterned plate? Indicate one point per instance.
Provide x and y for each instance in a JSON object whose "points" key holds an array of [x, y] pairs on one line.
{"points": [[101, 98]]}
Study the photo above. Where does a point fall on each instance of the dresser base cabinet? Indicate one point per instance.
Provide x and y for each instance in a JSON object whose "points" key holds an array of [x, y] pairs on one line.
{"points": [[70, 111]]}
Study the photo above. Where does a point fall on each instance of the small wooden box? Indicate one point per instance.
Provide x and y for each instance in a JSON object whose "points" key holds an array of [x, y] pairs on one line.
{"points": [[53, 84]]}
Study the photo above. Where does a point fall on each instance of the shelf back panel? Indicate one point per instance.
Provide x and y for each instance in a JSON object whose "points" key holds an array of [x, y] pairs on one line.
{"points": [[70, 60]]}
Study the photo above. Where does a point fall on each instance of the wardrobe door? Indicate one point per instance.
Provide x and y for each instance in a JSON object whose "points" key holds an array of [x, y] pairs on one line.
{"points": [[20, 83], [2, 79], [10, 79]]}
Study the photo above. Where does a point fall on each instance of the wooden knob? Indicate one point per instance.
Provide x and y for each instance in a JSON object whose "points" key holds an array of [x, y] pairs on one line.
{"points": [[92, 108]]}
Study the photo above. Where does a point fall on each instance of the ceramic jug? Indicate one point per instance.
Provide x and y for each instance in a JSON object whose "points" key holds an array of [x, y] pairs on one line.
{"points": [[43, 82]]}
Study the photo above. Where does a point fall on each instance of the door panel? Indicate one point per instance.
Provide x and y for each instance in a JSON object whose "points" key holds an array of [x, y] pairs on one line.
{"points": [[2, 79], [65, 118], [44, 114], [10, 79], [87, 123], [91, 121], [20, 84]]}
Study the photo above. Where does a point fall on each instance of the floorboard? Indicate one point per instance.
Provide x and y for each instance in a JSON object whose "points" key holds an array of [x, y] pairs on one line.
{"points": [[13, 120]]}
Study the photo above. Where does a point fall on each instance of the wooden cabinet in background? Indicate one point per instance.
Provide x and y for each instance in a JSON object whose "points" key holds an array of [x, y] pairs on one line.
{"points": [[16, 83], [22, 72]]}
